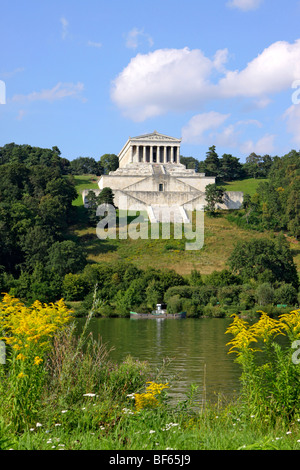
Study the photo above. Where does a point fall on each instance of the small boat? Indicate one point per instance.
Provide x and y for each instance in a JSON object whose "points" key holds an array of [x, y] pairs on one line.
{"points": [[159, 313]]}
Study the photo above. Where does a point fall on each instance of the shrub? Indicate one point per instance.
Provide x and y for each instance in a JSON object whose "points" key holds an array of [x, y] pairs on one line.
{"points": [[28, 333], [74, 287], [286, 294], [175, 304], [264, 294], [270, 374]]}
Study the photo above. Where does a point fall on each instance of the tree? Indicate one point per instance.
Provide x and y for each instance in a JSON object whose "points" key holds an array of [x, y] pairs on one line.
{"points": [[190, 163], [74, 287], [230, 168], [211, 162], [106, 196], [258, 166], [92, 202], [109, 162], [286, 294], [264, 294], [213, 195], [264, 259], [66, 257], [85, 166]]}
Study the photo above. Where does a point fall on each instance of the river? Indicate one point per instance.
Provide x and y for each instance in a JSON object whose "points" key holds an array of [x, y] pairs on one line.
{"points": [[197, 349]]}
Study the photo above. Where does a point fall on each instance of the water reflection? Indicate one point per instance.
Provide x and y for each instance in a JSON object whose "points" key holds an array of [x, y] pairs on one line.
{"points": [[197, 348]]}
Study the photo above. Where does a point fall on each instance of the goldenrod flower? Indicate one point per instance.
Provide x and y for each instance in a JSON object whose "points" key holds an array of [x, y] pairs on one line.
{"points": [[243, 337], [290, 322], [21, 357], [266, 328], [37, 360], [22, 375], [148, 399]]}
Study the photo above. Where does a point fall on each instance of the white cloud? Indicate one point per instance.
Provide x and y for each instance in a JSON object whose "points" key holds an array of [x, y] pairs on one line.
{"points": [[245, 5], [21, 114], [177, 80], [208, 128], [292, 117], [270, 72], [94, 44], [64, 22], [136, 36], [164, 80], [6, 75], [220, 59], [193, 132], [264, 146], [58, 92]]}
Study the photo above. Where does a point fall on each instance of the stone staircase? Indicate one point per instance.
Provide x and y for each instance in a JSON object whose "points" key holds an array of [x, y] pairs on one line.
{"points": [[165, 214]]}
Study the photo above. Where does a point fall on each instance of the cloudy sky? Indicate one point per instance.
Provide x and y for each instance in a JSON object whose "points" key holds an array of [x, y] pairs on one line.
{"points": [[86, 75]]}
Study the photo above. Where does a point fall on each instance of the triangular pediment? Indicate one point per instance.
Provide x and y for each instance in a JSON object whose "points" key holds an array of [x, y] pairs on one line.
{"points": [[155, 136]]}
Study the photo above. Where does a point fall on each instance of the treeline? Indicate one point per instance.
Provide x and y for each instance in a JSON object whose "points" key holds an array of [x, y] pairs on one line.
{"points": [[31, 156], [35, 213], [276, 203], [228, 167], [260, 273], [39, 259]]}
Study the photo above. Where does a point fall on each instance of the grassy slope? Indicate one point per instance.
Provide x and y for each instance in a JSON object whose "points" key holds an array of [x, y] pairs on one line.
{"points": [[220, 239], [248, 186], [84, 182]]}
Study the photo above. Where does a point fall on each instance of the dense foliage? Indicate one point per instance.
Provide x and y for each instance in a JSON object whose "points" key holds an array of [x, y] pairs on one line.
{"points": [[228, 167], [41, 260], [276, 204]]}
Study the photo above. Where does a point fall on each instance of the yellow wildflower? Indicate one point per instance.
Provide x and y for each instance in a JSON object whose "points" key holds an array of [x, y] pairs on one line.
{"points": [[243, 337], [37, 360], [148, 399], [22, 375], [290, 322], [21, 357], [266, 328]]}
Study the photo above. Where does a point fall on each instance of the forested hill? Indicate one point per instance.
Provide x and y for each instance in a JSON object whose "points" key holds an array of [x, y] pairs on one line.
{"points": [[35, 212], [42, 257]]}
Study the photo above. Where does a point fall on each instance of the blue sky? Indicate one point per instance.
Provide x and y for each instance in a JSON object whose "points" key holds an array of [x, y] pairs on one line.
{"points": [[86, 75]]}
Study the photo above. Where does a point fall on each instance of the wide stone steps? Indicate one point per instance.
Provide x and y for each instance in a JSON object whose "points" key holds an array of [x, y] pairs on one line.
{"points": [[167, 214]]}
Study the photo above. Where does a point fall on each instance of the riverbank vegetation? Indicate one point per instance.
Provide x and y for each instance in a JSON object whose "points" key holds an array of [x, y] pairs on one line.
{"points": [[62, 392], [49, 247]]}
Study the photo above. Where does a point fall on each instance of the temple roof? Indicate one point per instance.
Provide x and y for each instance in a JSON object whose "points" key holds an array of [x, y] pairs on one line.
{"points": [[155, 136]]}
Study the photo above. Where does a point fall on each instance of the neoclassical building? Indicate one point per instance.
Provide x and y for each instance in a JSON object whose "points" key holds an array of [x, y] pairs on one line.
{"points": [[150, 177], [150, 148]]}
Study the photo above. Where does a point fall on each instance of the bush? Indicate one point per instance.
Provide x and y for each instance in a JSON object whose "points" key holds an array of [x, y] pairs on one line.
{"points": [[270, 374], [286, 294], [74, 287], [265, 294], [214, 311], [228, 295], [175, 304]]}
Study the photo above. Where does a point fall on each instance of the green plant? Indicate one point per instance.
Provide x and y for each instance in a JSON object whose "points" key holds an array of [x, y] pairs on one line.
{"points": [[270, 375]]}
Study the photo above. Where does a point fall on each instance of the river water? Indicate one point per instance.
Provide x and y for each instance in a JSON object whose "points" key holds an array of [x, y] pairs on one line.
{"points": [[197, 349]]}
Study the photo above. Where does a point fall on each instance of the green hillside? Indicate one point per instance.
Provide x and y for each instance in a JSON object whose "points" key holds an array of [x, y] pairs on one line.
{"points": [[247, 186], [84, 182], [220, 237]]}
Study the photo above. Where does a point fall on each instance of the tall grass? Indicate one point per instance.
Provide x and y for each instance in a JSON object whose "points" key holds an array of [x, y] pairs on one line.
{"points": [[270, 369], [85, 401]]}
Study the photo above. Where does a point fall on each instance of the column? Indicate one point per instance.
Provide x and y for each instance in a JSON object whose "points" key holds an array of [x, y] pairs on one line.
{"points": [[157, 154], [165, 154], [131, 153], [144, 154], [138, 153], [178, 154], [172, 154], [151, 154]]}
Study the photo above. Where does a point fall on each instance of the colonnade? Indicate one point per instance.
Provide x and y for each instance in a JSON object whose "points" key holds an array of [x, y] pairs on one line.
{"points": [[155, 154]]}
